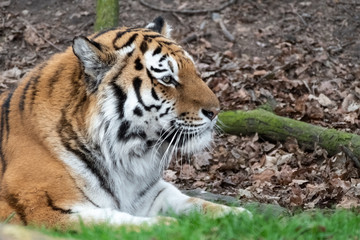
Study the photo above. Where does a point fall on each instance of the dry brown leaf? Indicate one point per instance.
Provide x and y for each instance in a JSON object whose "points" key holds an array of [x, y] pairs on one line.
{"points": [[348, 202], [187, 172], [201, 160], [264, 176], [32, 38], [260, 73], [169, 175]]}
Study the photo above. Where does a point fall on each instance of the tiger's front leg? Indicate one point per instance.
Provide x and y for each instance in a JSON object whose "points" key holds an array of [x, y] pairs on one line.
{"points": [[171, 199], [90, 215]]}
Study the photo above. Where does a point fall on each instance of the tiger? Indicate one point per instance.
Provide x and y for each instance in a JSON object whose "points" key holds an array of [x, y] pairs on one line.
{"points": [[86, 135]]}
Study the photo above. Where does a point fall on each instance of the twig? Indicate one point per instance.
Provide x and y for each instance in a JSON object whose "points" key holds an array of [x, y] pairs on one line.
{"points": [[217, 18], [193, 37], [271, 74], [179, 19], [190, 38], [297, 14], [188, 11], [37, 33], [350, 154], [301, 18], [227, 34]]}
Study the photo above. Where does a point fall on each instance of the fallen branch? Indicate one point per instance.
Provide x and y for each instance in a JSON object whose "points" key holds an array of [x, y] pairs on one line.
{"points": [[279, 128], [187, 11]]}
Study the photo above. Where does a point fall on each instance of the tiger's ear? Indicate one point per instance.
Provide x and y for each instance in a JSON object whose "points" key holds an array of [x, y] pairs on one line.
{"points": [[93, 58], [160, 26]]}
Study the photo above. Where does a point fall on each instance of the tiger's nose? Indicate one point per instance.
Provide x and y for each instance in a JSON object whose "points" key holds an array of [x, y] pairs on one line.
{"points": [[211, 113]]}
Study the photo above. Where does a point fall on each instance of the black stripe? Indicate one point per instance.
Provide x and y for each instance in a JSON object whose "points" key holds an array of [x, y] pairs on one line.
{"points": [[54, 79], [71, 142], [35, 81], [152, 78], [150, 143], [23, 96], [78, 85], [13, 202], [158, 70], [166, 112], [78, 91], [153, 94], [2, 126], [167, 43], [5, 126], [150, 37], [119, 35], [157, 51], [5, 110], [55, 208], [129, 54], [138, 112], [106, 125], [156, 196], [141, 134], [87, 198], [128, 43], [137, 84], [82, 192], [121, 98], [118, 91], [148, 187], [96, 44], [144, 47], [122, 132], [138, 64], [163, 58]]}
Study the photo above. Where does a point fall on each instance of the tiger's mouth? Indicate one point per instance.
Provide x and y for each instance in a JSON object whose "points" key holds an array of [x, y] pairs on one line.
{"points": [[181, 134]]}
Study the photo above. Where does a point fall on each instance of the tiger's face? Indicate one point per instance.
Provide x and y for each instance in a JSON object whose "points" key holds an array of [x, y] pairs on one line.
{"points": [[147, 89]]}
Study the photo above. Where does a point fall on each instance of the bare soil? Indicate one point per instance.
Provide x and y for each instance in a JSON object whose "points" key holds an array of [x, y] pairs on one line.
{"points": [[302, 54]]}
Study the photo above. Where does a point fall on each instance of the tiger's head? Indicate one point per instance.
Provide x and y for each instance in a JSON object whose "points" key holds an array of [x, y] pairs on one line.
{"points": [[147, 91]]}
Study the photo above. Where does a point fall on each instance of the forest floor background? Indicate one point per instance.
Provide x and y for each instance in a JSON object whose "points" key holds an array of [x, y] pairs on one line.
{"points": [[302, 54]]}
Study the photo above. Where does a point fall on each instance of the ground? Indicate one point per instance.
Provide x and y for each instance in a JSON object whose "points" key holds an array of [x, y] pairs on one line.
{"points": [[304, 55]]}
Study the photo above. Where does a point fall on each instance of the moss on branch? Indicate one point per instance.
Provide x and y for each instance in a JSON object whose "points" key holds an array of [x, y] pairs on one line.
{"points": [[279, 128], [107, 14]]}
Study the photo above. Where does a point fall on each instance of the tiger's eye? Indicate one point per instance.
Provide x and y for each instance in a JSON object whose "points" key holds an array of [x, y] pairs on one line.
{"points": [[167, 79]]}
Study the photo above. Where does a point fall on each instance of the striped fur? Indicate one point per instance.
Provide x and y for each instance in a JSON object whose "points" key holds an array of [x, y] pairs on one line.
{"points": [[89, 132]]}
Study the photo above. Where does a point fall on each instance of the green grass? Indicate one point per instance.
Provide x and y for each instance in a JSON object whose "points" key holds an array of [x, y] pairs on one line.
{"points": [[340, 224]]}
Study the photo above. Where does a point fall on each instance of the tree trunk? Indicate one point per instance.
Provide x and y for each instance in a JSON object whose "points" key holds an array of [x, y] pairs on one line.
{"points": [[107, 14], [279, 128]]}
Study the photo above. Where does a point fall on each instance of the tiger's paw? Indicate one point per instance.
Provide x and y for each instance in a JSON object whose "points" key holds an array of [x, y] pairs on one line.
{"points": [[241, 211], [163, 220], [225, 210], [217, 210]]}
